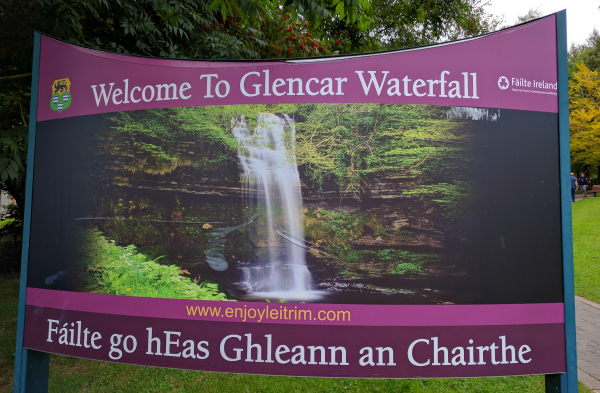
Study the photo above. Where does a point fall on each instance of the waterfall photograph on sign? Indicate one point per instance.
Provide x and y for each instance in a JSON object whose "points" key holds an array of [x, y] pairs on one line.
{"points": [[271, 177], [329, 203]]}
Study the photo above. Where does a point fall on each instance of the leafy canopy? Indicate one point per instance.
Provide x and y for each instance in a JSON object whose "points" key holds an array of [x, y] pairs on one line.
{"points": [[314, 11], [588, 53], [584, 104]]}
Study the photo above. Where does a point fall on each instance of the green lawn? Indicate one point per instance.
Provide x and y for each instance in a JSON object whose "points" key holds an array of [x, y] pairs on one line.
{"points": [[74, 375], [81, 375], [9, 296], [586, 248]]}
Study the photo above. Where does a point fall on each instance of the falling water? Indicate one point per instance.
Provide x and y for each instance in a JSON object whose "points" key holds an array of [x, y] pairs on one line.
{"points": [[270, 176]]}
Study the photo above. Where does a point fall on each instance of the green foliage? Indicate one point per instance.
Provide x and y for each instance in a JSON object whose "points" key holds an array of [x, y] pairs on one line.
{"points": [[337, 229], [584, 63], [333, 231], [584, 105], [11, 237], [6, 223], [391, 255], [13, 158], [315, 11], [166, 28], [367, 263], [588, 53], [453, 198], [14, 151], [75, 375], [353, 144], [153, 139], [119, 270], [155, 136], [9, 304], [403, 268], [401, 24]]}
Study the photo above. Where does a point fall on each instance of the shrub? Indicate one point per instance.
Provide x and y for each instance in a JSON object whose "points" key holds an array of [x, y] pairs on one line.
{"points": [[402, 268], [11, 237], [120, 270]]}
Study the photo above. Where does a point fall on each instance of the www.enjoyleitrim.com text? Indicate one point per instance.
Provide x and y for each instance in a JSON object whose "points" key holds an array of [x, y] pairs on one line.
{"points": [[274, 313]]}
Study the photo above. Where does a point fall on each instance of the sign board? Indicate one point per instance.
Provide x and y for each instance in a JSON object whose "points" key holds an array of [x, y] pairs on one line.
{"points": [[386, 215]]}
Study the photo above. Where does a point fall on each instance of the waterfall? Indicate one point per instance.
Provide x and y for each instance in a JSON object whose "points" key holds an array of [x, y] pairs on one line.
{"points": [[270, 178]]}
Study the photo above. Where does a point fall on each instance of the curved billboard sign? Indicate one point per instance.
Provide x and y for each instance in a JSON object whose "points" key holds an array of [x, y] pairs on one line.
{"points": [[385, 215]]}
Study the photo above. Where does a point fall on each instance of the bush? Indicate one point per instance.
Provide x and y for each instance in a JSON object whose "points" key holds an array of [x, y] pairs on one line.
{"points": [[11, 238], [119, 270]]}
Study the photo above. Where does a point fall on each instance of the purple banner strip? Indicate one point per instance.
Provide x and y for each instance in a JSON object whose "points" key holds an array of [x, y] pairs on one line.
{"points": [[322, 351], [510, 69], [303, 314]]}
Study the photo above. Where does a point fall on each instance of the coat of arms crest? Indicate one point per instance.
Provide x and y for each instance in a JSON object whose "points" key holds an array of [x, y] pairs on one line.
{"points": [[61, 95]]}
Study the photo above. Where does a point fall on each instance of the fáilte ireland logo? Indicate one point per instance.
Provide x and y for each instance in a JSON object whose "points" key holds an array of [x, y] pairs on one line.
{"points": [[61, 95], [503, 83]]}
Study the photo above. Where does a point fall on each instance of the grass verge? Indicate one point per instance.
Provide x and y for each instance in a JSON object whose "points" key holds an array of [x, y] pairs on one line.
{"points": [[9, 301], [586, 248]]}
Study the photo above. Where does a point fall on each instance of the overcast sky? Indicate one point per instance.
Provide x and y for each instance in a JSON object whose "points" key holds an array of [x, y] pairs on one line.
{"points": [[582, 15]]}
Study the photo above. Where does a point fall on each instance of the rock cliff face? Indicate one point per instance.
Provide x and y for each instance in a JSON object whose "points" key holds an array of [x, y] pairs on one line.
{"points": [[421, 240], [412, 227], [186, 171], [196, 186], [408, 221]]}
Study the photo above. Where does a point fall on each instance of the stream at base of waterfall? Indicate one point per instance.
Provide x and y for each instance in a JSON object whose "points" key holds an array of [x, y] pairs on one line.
{"points": [[270, 178]]}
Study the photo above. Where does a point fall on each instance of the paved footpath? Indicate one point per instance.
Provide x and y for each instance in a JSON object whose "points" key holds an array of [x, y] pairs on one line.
{"points": [[579, 197], [587, 316]]}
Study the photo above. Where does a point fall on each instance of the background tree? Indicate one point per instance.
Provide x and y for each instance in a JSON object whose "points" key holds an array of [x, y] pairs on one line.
{"points": [[584, 60], [588, 53], [532, 14], [584, 104], [406, 23]]}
